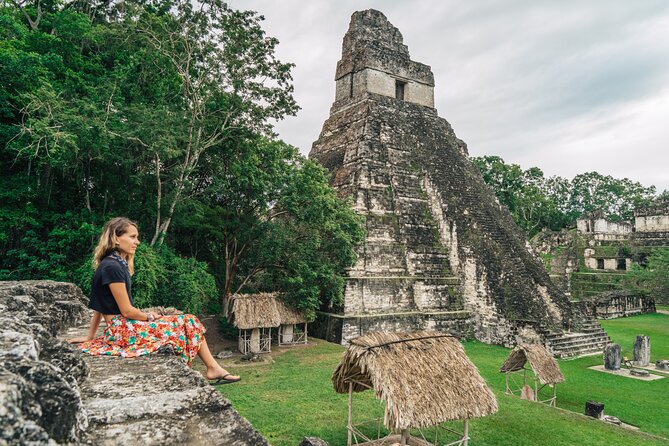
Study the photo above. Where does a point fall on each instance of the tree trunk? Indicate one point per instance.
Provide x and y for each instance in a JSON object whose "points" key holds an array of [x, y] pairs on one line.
{"points": [[159, 195]]}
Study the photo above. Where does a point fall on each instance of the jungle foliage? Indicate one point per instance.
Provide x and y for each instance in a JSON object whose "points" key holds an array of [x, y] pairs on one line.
{"points": [[537, 202], [652, 276], [160, 110]]}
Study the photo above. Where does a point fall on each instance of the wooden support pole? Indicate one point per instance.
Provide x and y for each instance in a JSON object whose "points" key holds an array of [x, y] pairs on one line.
{"points": [[350, 413], [465, 433], [554, 394], [255, 341], [404, 437]]}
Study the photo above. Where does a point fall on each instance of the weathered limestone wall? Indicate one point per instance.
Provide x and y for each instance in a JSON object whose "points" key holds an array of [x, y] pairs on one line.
{"points": [[614, 304], [341, 328], [591, 261], [603, 226], [560, 255], [653, 218], [370, 295], [40, 377], [376, 68], [605, 250], [437, 240], [378, 82], [652, 223], [362, 48], [158, 400], [51, 393]]}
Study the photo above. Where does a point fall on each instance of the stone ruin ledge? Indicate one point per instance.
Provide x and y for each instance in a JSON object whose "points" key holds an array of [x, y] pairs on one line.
{"points": [[53, 394]]}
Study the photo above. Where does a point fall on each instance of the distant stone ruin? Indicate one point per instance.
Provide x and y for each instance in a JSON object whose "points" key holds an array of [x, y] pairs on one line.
{"points": [[440, 252], [590, 262], [627, 242]]}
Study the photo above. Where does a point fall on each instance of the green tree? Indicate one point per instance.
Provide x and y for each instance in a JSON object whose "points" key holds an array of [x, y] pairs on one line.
{"points": [[132, 99], [273, 223], [537, 202], [652, 276], [527, 194], [226, 77], [618, 198], [93, 115]]}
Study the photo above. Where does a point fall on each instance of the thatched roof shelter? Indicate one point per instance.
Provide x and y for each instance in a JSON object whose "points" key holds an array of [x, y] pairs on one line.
{"points": [[255, 311], [543, 364], [425, 378], [289, 315]]}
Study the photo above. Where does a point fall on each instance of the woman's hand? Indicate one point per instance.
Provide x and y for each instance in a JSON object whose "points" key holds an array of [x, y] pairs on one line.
{"points": [[78, 340]]}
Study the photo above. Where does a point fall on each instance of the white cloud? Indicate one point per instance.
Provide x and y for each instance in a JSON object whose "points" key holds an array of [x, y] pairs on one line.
{"points": [[568, 87]]}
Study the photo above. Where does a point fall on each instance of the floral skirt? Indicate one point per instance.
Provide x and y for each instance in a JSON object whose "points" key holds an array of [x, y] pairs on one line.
{"points": [[130, 338]]}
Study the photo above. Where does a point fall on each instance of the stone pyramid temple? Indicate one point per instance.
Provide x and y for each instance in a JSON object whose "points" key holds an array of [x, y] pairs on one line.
{"points": [[440, 252]]}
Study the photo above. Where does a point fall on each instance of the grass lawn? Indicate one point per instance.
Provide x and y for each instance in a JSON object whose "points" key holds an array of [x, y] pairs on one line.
{"points": [[293, 397], [655, 325], [662, 307]]}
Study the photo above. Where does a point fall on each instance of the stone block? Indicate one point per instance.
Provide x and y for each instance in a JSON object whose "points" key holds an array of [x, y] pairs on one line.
{"points": [[40, 376], [641, 353], [662, 364], [594, 409], [51, 393], [313, 441], [612, 357]]}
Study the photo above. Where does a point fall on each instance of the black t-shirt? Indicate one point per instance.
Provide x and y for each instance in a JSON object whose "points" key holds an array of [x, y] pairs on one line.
{"points": [[109, 271]]}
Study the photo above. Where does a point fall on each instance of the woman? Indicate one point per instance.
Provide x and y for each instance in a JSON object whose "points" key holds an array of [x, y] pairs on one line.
{"points": [[131, 332]]}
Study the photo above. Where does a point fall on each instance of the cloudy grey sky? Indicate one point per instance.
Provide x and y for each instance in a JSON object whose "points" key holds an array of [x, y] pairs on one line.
{"points": [[569, 86]]}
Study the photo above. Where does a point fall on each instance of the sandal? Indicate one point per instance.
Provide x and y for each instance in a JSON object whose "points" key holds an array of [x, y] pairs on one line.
{"points": [[223, 380]]}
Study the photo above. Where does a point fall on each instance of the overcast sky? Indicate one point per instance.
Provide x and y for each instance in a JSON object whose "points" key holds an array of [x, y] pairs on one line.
{"points": [[569, 86]]}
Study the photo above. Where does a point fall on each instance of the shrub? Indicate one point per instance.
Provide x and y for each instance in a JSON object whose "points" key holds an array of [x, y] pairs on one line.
{"points": [[189, 285]]}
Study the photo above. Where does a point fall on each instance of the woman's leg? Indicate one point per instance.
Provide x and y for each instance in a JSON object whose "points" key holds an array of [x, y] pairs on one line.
{"points": [[214, 369]]}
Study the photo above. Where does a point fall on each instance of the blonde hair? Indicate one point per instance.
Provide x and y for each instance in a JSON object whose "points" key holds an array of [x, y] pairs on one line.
{"points": [[114, 228]]}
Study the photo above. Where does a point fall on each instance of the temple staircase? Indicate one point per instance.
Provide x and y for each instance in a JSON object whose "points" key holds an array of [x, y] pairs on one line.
{"points": [[590, 340]]}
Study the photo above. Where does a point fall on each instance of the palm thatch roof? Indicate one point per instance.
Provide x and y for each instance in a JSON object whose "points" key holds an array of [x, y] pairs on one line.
{"points": [[255, 311], [425, 378], [289, 315], [545, 367]]}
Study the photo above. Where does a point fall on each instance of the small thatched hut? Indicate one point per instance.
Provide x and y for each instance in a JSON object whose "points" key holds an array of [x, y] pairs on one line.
{"points": [[425, 378], [544, 367], [293, 329], [255, 315]]}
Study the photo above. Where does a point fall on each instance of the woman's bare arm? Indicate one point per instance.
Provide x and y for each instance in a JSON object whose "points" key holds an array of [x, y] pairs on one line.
{"points": [[92, 329], [123, 301], [95, 323]]}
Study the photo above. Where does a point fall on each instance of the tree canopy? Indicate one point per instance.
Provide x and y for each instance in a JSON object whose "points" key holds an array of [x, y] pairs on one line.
{"points": [[159, 110], [537, 202]]}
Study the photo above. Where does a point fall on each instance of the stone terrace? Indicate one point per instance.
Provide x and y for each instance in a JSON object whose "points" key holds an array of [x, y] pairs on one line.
{"points": [[53, 394]]}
